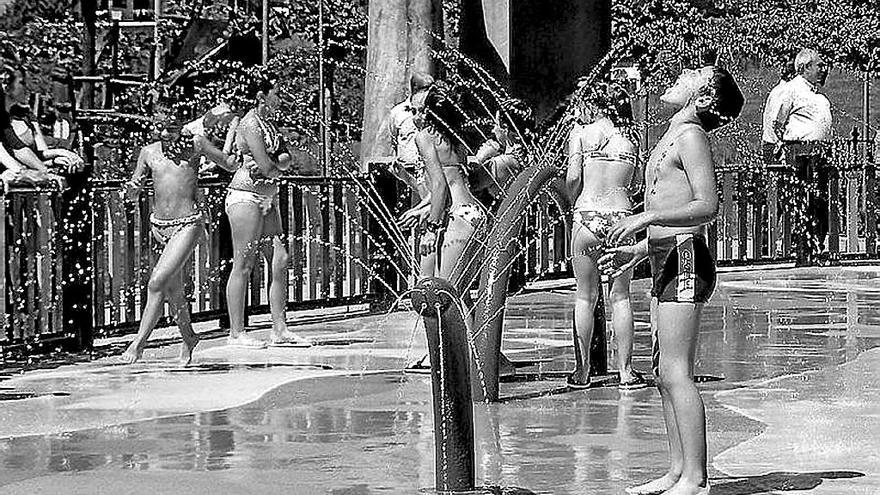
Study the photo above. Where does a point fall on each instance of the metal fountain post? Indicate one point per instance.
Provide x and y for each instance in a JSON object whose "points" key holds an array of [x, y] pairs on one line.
{"points": [[434, 299]]}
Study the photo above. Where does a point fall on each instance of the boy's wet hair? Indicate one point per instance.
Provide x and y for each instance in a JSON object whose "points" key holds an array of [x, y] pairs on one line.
{"points": [[720, 101]]}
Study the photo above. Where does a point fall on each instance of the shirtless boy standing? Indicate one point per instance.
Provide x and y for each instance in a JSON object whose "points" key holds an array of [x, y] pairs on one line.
{"points": [[177, 225], [680, 199]]}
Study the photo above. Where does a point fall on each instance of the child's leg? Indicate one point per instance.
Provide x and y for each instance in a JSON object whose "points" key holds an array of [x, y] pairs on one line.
{"points": [[586, 297], [180, 311], [678, 326], [672, 476], [622, 324], [175, 254], [246, 222], [277, 257]]}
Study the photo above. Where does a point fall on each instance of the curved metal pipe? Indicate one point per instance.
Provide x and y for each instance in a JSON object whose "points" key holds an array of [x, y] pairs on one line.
{"points": [[433, 299]]}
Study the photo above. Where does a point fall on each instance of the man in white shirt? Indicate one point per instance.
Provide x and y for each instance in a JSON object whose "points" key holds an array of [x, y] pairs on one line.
{"points": [[402, 126], [771, 110], [803, 123]]}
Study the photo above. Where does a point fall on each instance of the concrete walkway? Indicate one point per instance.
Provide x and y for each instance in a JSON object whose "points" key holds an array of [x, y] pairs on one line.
{"points": [[789, 358]]}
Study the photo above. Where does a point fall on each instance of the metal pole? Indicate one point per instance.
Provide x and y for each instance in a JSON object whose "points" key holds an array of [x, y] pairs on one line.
{"points": [[321, 102], [448, 349], [265, 31], [866, 110], [157, 48]]}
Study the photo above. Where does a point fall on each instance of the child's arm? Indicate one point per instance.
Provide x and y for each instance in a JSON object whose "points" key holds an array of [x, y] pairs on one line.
{"points": [[9, 161], [134, 185], [257, 146], [435, 176], [574, 174]]}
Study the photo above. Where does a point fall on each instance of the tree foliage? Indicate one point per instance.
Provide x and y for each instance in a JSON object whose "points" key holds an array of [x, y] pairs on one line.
{"points": [[661, 35]]}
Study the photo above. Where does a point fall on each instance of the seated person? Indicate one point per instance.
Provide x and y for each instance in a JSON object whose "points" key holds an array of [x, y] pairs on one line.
{"points": [[19, 163], [28, 131]]}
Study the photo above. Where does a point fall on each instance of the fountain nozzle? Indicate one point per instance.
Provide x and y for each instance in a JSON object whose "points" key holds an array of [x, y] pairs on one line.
{"points": [[432, 295]]}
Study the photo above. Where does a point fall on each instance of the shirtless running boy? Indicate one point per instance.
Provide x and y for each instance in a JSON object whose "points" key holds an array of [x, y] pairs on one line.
{"points": [[680, 199], [177, 225]]}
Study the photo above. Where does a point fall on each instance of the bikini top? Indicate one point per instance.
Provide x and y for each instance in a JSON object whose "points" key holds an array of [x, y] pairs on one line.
{"points": [[244, 178], [461, 166], [599, 154]]}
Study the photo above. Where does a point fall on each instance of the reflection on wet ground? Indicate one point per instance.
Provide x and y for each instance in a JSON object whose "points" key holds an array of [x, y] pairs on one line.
{"points": [[789, 345]]}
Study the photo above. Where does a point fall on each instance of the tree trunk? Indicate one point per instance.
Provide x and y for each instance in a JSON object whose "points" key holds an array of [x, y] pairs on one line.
{"points": [[399, 42], [89, 13]]}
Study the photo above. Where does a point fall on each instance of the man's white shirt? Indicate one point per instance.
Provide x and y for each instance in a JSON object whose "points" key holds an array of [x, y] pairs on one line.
{"points": [[771, 111], [808, 112]]}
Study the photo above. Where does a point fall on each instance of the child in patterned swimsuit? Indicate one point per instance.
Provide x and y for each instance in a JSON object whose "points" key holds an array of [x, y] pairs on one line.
{"points": [[681, 198], [177, 225], [601, 168]]}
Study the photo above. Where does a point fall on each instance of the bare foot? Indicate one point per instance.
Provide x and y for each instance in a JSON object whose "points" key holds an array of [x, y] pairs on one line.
{"points": [[132, 354], [288, 338], [246, 341], [186, 349], [658, 486], [687, 487]]}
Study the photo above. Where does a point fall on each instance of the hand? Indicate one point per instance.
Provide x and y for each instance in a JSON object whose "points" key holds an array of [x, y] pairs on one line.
{"points": [[620, 259], [427, 243], [256, 173], [284, 160], [232, 162], [488, 150], [131, 192], [413, 218], [628, 227]]}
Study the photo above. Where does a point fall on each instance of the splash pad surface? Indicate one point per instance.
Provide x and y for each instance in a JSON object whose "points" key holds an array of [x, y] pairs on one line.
{"points": [[797, 407]]}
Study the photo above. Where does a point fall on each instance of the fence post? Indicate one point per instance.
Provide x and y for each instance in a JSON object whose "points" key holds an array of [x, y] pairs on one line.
{"points": [[3, 315], [742, 213], [870, 207], [77, 274], [381, 249], [727, 214], [772, 212], [834, 209]]}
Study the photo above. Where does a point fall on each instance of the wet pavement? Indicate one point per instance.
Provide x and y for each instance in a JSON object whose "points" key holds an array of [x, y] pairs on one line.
{"points": [[790, 360]]}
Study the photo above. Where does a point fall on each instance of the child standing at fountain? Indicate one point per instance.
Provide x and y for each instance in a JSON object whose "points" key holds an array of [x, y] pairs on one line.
{"points": [[252, 208], [451, 241], [681, 198], [177, 226], [601, 166]]}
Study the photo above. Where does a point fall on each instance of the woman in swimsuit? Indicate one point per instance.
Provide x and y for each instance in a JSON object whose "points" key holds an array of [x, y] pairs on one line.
{"points": [[251, 205], [601, 166], [456, 219]]}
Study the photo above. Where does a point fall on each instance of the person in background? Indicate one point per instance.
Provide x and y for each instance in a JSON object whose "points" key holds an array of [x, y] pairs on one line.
{"points": [[402, 128], [26, 129], [803, 125], [602, 163]]}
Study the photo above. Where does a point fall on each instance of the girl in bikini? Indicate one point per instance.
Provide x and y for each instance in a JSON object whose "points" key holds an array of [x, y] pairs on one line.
{"points": [[456, 221], [254, 218], [601, 167]]}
